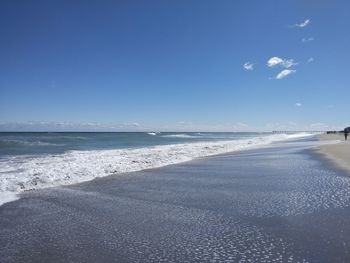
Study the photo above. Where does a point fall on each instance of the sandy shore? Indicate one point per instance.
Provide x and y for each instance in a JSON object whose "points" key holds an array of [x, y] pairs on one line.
{"points": [[339, 152]]}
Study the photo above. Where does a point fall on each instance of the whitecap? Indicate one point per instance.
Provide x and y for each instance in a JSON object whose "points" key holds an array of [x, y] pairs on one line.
{"points": [[20, 173], [181, 135]]}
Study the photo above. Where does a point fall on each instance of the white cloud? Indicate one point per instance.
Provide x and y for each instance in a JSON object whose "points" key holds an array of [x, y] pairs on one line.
{"points": [[248, 66], [130, 125], [286, 63], [307, 39], [241, 126], [292, 126], [273, 61], [302, 24], [298, 104], [70, 126], [318, 126], [310, 60], [284, 73]]}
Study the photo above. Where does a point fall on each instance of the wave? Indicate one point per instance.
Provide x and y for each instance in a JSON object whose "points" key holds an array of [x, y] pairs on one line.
{"points": [[20, 173], [9, 143], [69, 137], [202, 134], [299, 135], [180, 136], [152, 133]]}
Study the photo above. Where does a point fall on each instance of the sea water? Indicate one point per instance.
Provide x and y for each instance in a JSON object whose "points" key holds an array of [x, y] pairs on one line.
{"points": [[31, 161]]}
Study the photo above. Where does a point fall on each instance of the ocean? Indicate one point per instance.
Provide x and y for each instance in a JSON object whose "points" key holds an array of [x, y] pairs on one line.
{"points": [[34, 160]]}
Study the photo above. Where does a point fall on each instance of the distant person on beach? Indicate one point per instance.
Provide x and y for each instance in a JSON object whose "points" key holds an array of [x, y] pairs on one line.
{"points": [[346, 132]]}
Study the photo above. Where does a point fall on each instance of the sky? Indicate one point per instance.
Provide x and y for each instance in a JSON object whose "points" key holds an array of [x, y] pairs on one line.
{"points": [[184, 65]]}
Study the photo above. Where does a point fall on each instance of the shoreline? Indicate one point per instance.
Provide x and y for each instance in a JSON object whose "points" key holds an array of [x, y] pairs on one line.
{"points": [[337, 153], [41, 172], [266, 205]]}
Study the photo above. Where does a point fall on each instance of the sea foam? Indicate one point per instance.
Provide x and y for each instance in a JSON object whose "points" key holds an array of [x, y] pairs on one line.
{"points": [[21, 173], [180, 136]]}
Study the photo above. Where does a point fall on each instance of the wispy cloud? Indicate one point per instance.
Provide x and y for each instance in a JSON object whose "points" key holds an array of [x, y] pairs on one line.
{"points": [[286, 63], [284, 73], [292, 126], [69, 126], [318, 126], [307, 39], [248, 66], [241, 126], [289, 63], [302, 24], [298, 104], [133, 124], [310, 60]]}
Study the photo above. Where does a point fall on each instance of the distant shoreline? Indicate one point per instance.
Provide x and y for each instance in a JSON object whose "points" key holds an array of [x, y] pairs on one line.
{"points": [[338, 152]]}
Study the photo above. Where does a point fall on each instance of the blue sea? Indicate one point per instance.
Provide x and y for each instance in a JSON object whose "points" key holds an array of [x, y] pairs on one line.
{"points": [[33, 160], [28, 143]]}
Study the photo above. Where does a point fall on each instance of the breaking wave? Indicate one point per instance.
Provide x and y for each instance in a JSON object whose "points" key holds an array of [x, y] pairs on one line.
{"points": [[152, 133], [20, 173], [9, 143], [181, 135]]}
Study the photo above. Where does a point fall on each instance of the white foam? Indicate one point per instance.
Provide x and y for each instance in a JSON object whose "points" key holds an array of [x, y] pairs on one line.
{"points": [[29, 143], [180, 136], [300, 135], [152, 133], [20, 173], [6, 197]]}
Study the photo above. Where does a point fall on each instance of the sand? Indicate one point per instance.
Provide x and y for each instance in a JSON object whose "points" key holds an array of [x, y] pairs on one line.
{"points": [[339, 152]]}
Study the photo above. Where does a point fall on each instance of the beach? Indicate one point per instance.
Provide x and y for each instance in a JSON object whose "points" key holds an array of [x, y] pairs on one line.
{"points": [[174, 132], [339, 152], [276, 203]]}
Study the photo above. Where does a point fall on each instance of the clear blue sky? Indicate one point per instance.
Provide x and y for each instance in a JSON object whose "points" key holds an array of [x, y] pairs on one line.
{"points": [[174, 65]]}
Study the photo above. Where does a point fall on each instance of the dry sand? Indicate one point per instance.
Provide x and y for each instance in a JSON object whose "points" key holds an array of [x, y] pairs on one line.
{"points": [[339, 152]]}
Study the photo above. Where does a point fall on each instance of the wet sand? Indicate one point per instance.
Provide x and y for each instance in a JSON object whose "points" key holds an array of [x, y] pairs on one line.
{"points": [[274, 204], [339, 152]]}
